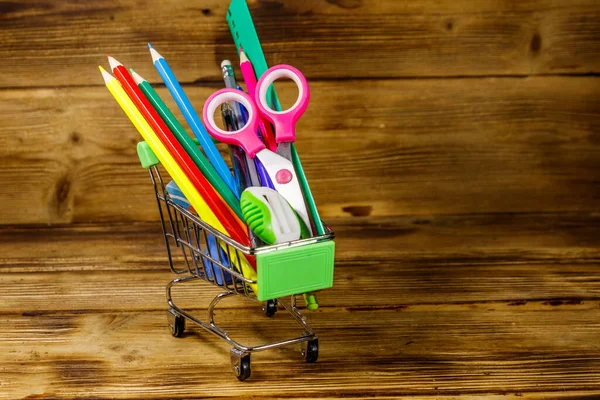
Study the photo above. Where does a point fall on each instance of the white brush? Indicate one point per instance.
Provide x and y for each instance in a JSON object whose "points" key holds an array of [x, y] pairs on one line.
{"points": [[269, 215]]}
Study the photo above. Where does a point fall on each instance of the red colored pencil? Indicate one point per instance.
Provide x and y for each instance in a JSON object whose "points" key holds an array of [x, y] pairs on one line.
{"points": [[235, 228]]}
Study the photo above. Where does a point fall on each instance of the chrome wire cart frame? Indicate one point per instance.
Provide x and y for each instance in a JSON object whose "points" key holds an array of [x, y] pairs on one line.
{"points": [[210, 256]]}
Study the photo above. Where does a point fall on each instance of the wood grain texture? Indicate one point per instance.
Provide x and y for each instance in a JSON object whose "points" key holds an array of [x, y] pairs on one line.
{"points": [[483, 306], [362, 354], [394, 284], [422, 241], [398, 147], [510, 260], [426, 308], [60, 43]]}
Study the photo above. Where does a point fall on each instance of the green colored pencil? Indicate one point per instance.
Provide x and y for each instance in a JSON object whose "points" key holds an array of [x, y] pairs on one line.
{"points": [[188, 144]]}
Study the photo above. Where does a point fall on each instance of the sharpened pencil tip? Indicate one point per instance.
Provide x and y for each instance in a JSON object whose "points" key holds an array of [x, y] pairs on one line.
{"points": [[150, 46], [136, 77], [113, 63], [243, 57], [155, 55], [105, 75]]}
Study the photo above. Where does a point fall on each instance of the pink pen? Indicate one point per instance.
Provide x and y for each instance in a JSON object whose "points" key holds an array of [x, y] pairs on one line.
{"points": [[250, 80]]}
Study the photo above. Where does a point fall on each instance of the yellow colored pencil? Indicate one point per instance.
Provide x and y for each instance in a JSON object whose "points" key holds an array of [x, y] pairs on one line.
{"points": [[165, 158]]}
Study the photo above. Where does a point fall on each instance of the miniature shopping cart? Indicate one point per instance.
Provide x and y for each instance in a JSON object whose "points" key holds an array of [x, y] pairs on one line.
{"points": [[287, 269]]}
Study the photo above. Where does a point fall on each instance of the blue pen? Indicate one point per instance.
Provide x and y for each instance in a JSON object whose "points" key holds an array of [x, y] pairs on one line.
{"points": [[257, 170], [241, 173], [251, 167], [262, 172], [260, 169], [192, 119]]}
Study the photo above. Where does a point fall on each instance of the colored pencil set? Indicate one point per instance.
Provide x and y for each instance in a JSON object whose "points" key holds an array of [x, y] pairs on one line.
{"points": [[264, 192]]}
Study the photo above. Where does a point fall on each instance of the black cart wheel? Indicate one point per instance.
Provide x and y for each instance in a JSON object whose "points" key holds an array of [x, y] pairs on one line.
{"points": [[270, 308], [311, 353], [177, 325], [242, 370]]}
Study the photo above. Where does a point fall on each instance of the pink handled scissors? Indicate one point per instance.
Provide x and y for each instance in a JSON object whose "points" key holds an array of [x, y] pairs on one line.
{"points": [[279, 167]]}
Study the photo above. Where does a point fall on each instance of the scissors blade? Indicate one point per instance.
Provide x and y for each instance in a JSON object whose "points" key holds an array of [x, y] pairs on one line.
{"points": [[284, 150], [254, 180], [282, 174]]}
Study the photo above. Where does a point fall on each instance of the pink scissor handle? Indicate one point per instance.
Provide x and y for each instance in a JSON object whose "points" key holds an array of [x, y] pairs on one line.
{"points": [[284, 121], [245, 137]]}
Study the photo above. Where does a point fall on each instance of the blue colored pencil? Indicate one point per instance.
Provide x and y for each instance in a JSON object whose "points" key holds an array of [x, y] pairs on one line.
{"points": [[192, 118]]}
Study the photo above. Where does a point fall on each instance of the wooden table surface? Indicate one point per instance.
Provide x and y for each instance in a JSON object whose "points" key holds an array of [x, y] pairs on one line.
{"points": [[454, 147]]}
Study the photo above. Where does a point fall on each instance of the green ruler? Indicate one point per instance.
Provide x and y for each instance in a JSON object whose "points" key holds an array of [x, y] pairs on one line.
{"points": [[244, 36]]}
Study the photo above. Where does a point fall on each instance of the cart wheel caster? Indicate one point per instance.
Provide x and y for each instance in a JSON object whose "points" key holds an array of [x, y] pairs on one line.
{"points": [[270, 308], [176, 323], [240, 363], [311, 352]]}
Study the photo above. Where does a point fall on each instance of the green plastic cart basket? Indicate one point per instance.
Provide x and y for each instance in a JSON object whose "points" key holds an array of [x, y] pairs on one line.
{"points": [[291, 268]]}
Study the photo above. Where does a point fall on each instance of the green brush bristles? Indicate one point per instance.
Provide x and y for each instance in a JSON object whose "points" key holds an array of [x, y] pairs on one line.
{"points": [[258, 217]]}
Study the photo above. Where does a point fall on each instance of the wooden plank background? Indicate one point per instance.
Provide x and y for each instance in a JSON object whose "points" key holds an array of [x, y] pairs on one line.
{"points": [[454, 146], [490, 118], [352, 38], [450, 309], [402, 147]]}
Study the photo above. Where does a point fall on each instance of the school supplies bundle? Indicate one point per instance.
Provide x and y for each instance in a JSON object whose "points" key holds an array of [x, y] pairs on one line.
{"points": [[254, 229]]}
